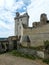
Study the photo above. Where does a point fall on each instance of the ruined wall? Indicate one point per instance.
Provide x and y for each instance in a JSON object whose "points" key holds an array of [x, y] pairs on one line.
{"points": [[36, 24], [37, 35], [43, 20]]}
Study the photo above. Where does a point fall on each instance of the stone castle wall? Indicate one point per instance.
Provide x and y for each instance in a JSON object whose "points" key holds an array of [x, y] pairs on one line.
{"points": [[37, 35], [43, 20]]}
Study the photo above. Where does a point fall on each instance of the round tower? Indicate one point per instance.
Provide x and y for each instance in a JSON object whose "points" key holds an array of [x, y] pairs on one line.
{"points": [[16, 23], [17, 14], [43, 18], [20, 20]]}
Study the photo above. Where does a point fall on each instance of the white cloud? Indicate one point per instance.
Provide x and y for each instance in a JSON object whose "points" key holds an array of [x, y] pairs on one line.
{"points": [[36, 8], [18, 5], [1, 3], [7, 14]]}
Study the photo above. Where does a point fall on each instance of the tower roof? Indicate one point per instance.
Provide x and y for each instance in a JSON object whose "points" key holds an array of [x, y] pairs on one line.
{"points": [[21, 16]]}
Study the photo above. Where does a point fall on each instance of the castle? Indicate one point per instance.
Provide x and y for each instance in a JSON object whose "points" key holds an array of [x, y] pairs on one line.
{"points": [[31, 36], [25, 35]]}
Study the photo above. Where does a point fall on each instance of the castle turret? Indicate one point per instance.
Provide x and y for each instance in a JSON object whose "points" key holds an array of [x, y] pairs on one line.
{"points": [[43, 19], [19, 20], [16, 23], [17, 14]]}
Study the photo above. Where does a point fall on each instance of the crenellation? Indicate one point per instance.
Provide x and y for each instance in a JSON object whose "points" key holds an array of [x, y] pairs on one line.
{"points": [[43, 21]]}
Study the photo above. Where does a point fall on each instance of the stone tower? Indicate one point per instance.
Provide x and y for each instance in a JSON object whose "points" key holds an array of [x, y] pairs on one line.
{"points": [[19, 21], [43, 18]]}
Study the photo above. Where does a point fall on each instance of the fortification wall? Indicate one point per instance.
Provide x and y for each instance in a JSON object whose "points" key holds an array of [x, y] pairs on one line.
{"points": [[37, 35]]}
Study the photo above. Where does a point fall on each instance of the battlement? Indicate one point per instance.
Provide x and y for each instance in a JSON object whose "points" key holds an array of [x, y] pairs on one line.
{"points": [[43, 20], [21, 16]]}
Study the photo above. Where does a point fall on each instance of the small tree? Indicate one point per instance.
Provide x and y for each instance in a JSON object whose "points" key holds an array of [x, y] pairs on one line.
{"points": [[46, 43]]}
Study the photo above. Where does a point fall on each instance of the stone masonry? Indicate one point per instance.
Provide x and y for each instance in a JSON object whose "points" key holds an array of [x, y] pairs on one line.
{"points": [[37, 34]]}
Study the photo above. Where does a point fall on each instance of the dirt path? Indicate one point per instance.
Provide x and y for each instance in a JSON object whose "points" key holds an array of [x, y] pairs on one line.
{"points": [[6, 59]]}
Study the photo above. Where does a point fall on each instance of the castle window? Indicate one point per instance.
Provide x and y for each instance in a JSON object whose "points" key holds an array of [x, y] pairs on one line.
{"points": [[18, 19], [20, 27], [48, 21], [21, 19], [17, 23]]}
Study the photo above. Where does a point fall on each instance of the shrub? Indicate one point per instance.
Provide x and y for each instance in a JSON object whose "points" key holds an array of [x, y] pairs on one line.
{"points": [[46, 61], [18, 54], [46, 43]]}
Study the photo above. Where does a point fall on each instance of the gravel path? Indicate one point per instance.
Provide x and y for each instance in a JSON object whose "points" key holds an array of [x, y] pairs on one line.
{"points": [[6, 59]]}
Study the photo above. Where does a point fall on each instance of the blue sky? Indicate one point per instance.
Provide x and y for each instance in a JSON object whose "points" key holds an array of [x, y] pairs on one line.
{"points": [[8, 8]]}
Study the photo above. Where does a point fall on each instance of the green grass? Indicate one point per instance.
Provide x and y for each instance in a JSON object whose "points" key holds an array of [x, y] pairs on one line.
{"points": [[18, 54], [46, 61]]}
